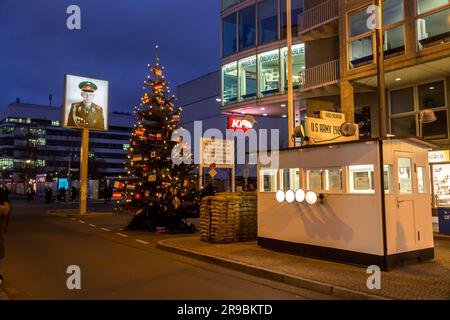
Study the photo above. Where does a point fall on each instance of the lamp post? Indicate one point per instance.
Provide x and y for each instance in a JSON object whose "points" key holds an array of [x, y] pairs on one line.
{"points": [[289, 74]]}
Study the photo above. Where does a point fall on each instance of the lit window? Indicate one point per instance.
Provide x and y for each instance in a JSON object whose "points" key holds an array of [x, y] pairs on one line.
{"points": [[314, 180], [333, 180], [269, 77], [289, 179], [56, 123], [405, 176], [421, 184], [298, 64], [268, 180], [361, 179], [248, 78], [230, 83], [126, 146]]}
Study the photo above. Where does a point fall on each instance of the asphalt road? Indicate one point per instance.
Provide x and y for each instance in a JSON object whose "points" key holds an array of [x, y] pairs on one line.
{"points": [[115, 264]]}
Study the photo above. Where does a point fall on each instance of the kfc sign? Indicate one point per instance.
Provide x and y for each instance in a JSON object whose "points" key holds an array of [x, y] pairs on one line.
{"points": [[239, 124]]}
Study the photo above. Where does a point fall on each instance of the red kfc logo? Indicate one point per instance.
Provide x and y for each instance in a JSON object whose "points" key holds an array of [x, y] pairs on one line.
{"points": [[239, 124]]}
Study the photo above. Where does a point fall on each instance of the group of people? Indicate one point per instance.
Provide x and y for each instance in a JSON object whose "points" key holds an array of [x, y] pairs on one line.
{"points": [[67, 195], [107, 193]]}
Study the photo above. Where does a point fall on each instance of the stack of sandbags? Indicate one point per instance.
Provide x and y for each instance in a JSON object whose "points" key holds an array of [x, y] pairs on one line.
{"points": [[205, 218], [228, 217], [246, 219]]}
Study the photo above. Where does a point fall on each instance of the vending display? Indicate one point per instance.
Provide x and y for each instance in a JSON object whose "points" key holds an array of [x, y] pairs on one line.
{"points": [[441, 184]]}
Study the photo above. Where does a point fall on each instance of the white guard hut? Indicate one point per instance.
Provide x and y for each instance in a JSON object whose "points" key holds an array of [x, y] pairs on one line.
{"points": [[350, 222]]}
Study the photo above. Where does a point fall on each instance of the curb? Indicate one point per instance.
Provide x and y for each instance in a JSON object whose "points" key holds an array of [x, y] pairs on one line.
{"points": [[441, 236], [308, 284]]}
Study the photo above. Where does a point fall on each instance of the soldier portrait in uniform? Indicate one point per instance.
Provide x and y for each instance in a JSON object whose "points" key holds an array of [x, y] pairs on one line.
{"points": [[85, 112]]}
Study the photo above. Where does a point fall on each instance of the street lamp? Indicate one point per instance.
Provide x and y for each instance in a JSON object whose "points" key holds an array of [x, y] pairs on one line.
{"points": [[426, 116]]}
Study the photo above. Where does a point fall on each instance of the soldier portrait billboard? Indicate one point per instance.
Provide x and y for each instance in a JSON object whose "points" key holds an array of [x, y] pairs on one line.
{"points": [[85, 103]]}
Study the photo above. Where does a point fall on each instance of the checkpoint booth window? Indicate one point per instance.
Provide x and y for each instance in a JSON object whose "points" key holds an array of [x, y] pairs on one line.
{"points": [[346, 223]]}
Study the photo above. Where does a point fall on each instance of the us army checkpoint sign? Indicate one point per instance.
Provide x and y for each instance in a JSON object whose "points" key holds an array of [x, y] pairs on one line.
{"points": [[85, 103]]}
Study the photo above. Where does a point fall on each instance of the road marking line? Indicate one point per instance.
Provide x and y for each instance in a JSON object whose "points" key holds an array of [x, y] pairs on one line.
{"points": [[73, 219], [81, 221], [105, 229], [122, 235], [93, 225], [142, 241]]}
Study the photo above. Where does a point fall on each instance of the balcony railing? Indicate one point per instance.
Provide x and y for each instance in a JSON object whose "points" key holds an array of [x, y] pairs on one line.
{"points": [[321, 75], [318, 15]]}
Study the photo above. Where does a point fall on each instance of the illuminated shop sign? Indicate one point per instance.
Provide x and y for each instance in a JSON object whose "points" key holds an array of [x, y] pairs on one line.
{"points": [[235, 123], [439, 156]]}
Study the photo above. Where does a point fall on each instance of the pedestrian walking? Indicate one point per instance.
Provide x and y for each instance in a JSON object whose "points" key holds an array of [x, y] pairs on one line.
{"points": [[74, 193], [5, 213], [30, 193], [48, 194]]}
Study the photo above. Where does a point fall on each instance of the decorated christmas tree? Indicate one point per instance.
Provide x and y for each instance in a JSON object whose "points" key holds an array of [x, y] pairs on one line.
{"points": [[159, 192]]}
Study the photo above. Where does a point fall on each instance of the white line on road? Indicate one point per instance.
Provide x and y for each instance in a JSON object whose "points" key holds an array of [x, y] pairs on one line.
{"points": [[73, 219], [105, 229], [142, 241], [92, 225], [81, 221], [122, 235]]}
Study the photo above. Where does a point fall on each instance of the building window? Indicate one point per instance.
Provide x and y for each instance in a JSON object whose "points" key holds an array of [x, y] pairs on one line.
{"points": [[230, 83], [298, 66], [247, 28], [126, 146], [289, 179], [248, 78], [228, 3], [394, 28], [268, 180], [56, 123], [405, 176], [269, 77], [268, 21], [229, 35], [314, 181], [428, 5], [333, 180], [433, 22], [296, 11], [6, 164], [421, 184], [405, 107], [361, 179]]}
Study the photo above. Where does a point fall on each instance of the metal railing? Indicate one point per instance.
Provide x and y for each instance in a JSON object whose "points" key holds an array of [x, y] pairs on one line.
{"points": [[320, 75], [320, 14]]}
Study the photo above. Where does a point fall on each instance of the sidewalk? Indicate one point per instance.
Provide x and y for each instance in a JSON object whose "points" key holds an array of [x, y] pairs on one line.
{"points": [[429, 280]]}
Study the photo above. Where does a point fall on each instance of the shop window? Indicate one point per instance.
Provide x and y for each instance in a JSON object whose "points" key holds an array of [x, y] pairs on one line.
{"points": [[247, 28], [289, 179], [298, 65], [437, 130], [296, 11], [268, 21], [361, 179], [404, 126], [229, 35], [248, 78], [421, 184], [428, 5], [433, 29], [314, 180], [230, 83], [333, 180], [268, 179], [405, 176], [432, 95], [402, 101], [269, 77]]}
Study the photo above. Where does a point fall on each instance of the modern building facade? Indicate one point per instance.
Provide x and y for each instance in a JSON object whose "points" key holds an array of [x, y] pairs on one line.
{"points": [[334, 57], [33, 143]]}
